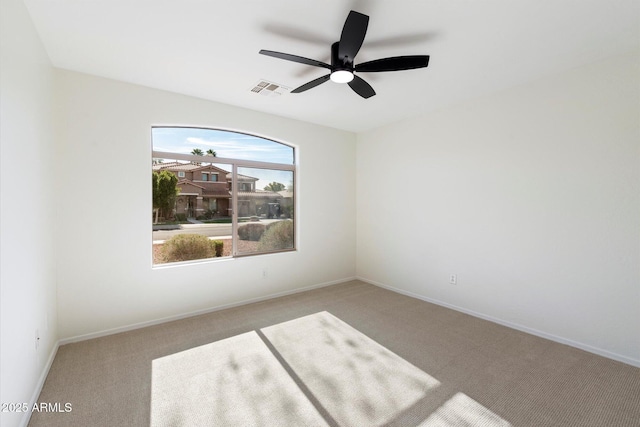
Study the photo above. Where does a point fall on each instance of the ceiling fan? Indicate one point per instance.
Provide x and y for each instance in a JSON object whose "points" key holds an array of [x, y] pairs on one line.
{"points": [[343, 53]]}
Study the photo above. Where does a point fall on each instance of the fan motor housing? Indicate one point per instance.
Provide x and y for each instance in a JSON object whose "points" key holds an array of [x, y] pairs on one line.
{"points": [[338, 63]]}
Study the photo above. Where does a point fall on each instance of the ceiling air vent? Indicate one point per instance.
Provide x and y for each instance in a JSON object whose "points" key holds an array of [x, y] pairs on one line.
{"points": [[267, 88]]}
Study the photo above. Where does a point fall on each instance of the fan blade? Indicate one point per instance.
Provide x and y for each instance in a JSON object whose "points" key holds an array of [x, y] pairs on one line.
{"points": [[295, 58], [396, 63], [353, 32], [361, 87], [311, 84]]}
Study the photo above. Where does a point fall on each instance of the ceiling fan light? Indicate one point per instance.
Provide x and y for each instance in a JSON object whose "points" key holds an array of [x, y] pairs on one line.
{"points": [[341, 76]]}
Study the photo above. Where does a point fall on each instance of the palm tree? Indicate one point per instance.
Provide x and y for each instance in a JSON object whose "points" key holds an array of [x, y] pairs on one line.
{"points": [[211, 153], [197, 152]]}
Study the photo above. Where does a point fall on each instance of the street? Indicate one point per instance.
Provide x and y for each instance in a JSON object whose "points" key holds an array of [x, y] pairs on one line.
{"points": [[209, 230]]}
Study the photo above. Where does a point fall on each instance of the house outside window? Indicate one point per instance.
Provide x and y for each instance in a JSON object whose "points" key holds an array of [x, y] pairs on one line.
{"points": [[207, 213]]}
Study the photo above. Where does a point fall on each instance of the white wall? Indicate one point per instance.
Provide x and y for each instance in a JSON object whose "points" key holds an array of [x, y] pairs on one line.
{"points": [[105, 278], [531, 196], [27, 221]]}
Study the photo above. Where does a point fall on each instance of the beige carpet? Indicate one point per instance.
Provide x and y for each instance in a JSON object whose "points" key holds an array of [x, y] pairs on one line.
{"points": [[232, 382], [357, 381], [381, 358]]}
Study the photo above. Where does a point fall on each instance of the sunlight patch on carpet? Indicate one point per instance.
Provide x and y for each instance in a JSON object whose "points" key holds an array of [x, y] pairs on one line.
{"points": [[315, 370], [358, 381], [232, 382], [461, 410]]}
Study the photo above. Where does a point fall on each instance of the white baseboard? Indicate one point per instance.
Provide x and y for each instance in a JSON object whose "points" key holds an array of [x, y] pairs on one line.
{"points": [[196, 313], [43, 376], [561, 340], [551, 337]]}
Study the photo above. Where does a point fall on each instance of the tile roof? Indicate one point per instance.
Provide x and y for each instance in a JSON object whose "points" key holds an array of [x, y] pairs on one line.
{"points": [[209, 189], [180, 166], [215, 189], [174, 166], [189, 182]]}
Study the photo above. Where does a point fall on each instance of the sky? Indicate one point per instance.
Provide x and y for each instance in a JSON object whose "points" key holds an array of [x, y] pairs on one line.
{"points": [[230, 145], [226, 144]]}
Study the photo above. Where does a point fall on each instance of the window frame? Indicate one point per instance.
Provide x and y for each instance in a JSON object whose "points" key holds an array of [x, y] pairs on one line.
{"points": [[235, 164]]}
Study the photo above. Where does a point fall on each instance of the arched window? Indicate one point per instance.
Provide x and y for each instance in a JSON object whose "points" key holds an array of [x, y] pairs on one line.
{"points": [[220, 193]]}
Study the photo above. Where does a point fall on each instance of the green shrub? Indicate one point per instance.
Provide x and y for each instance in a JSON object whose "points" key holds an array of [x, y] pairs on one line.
{"points": [[279, 235], [181, 217], [287, 211], [219, 247], [185, 247], [251, 231]]}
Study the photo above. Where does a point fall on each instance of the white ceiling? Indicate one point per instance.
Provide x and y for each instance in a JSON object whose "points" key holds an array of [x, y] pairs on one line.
{"points": [[209, 48]]}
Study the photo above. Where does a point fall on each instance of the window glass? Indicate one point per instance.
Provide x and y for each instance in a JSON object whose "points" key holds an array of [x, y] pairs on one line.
{"points": [[268, 211], [193, 198], [222, 144]]}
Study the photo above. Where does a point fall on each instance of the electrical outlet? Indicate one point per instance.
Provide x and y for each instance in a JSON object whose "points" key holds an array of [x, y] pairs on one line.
{"points": [[453, 279]]}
